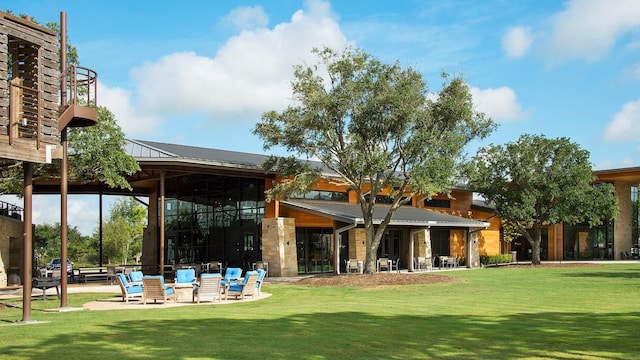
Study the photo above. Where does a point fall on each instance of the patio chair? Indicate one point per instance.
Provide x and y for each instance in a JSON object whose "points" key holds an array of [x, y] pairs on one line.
{"points": [[443, 261], [423, 263], [353, 265], [185, 277], [135, 277], [231, 275], [261, 265], [153, 288], [246, 288], [215, 267], [385, 264], [209, 286], [261, 275], [128, 290]]}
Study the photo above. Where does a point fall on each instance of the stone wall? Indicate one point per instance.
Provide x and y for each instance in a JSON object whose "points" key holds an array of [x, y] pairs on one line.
{"points": [[10, 228]]}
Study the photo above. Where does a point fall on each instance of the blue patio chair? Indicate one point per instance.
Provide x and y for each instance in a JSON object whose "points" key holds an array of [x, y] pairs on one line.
{"points": [[153, 288], [135, 277], [128, 290], [231, 276], [209, 286], [185, 277], [245, 288], [261, 275]]}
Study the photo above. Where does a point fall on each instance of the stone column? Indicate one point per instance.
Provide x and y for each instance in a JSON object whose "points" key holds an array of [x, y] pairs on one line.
{"points": [[357, 247], [622, 224], [279, 246], [473, 252]]}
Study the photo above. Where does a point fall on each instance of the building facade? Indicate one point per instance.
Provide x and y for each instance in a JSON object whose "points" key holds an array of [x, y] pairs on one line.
{"points": [[208, 205]]}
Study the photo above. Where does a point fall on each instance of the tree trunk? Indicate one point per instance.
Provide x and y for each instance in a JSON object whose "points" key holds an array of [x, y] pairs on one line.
{"points": [[535, 245], [372, 251]]}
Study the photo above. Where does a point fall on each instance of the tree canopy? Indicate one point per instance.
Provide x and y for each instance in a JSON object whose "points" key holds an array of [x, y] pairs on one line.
{"points": [[535, 181], [122, 232], [375, 127]]}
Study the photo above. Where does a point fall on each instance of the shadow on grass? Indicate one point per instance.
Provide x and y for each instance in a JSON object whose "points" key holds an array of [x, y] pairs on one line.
{"points": [[351, 335], [601, 274]]}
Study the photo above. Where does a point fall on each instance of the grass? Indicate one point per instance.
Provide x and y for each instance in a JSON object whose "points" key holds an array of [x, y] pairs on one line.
{"points": [[498, 313]]}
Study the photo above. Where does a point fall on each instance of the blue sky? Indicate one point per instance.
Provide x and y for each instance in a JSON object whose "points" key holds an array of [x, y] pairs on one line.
{"points": [[202, 72]]}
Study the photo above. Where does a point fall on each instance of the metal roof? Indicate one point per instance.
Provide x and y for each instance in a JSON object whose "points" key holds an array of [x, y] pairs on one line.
{"points": [[151, 149], [404, 216]]}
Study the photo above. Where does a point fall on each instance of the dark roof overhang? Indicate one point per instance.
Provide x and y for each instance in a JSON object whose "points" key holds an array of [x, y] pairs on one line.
{"points": [[404, 216]]}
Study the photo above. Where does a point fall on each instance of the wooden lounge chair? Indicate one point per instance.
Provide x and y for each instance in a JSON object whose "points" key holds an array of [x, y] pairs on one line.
{"points": [[129, 290], [209, 287], [135, 277], [153, 288], [246, 288], [185, 277], [231, 276]]}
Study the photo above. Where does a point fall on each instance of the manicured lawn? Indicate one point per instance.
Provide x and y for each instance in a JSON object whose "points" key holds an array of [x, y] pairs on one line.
{"points": [[499, 313]]}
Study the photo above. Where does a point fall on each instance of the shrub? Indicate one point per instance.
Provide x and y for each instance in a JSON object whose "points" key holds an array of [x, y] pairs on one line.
{"points": [[496, 259]]}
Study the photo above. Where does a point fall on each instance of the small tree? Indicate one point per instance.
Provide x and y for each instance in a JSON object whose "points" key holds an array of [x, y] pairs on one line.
{"points": [[535, 182], [373, 125], [122, 233], [46, 242]]}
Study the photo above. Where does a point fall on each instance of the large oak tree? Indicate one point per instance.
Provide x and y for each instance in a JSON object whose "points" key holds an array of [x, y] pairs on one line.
{"points": [[535, 182], [375, 127]]}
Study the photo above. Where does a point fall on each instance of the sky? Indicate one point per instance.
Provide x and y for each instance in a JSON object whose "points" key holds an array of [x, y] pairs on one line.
{"points": [[201, 72]]}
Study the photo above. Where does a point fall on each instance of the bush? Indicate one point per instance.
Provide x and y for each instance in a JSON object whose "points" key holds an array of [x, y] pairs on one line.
{"points": [[496, 259]]}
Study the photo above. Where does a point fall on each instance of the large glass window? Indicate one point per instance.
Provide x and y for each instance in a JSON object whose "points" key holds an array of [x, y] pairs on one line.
{"points": [[582, 242], [213, 218], [323, 195], [315, 250]]}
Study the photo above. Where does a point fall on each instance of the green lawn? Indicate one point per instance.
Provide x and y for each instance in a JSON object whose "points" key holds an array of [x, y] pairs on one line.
{"points": [[496, 313]]}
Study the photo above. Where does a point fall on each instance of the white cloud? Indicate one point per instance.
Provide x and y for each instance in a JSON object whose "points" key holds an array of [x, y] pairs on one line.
{"points": [[501, 104], [132, 121], [82, 210], [516, 41], [247, 18], [590, 28], [625, 124], [249, 75]]}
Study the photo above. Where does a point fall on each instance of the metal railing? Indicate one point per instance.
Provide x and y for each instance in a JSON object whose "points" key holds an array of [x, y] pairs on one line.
{"points": [[79, 86], [10, 210]]}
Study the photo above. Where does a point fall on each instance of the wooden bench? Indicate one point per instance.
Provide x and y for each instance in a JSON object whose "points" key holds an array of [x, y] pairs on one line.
{"points": [[99, 273]]}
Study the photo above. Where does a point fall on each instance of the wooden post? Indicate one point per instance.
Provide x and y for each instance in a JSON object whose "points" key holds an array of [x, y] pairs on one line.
{"points": [[27, 243]]}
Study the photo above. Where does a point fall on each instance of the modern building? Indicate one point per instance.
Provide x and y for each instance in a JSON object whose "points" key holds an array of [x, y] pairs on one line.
{"points": [[209, 205]]}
